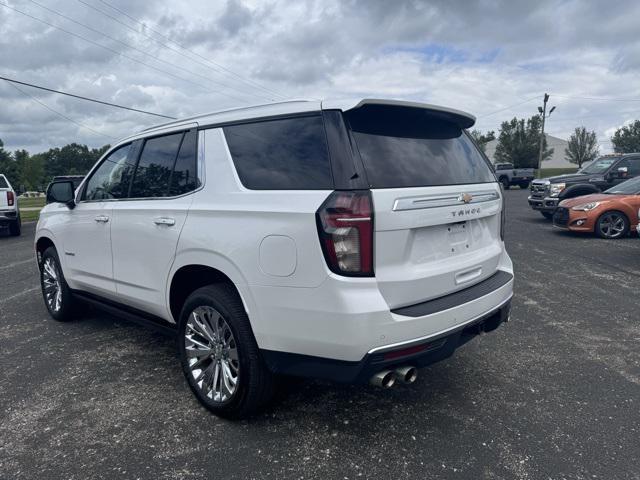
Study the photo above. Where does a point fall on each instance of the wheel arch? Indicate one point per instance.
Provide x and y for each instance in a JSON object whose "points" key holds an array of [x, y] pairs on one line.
{"points": [[191, 274], [578, 190], [41, 244]]}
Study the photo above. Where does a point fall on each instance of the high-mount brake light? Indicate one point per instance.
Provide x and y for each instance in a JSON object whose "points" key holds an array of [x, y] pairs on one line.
{"points": [[345, 227]]}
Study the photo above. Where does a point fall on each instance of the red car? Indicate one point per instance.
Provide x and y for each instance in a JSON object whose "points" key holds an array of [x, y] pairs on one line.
{"points": [[611, 214]]}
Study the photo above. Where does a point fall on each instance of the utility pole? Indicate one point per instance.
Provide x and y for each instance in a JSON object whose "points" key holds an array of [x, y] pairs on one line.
{"points": [[543, 114]]}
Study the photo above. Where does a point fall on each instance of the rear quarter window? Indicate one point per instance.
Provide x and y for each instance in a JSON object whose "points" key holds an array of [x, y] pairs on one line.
{"points": [[415, 148], [282, 154]]}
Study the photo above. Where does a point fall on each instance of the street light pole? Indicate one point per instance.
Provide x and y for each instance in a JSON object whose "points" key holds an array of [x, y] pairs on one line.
{"points": [[543, 113]]}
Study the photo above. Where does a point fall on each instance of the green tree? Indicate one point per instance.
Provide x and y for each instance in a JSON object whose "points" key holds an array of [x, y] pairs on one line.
{"points": [[519, 142], [627, 139], [72, 159], [8, 166], [582, 147], [482, 138], [31, 170]]}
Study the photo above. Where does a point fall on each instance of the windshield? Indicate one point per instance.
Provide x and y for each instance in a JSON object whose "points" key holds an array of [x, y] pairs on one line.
{"points": [[599, 166], [630, 187]]}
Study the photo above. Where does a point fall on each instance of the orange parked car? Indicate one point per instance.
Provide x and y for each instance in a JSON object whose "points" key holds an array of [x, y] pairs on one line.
{"points": [[610, 214]]}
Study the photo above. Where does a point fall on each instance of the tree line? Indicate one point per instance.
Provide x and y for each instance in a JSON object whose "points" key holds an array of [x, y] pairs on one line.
{"points": [[519, 142], [27, 172]]}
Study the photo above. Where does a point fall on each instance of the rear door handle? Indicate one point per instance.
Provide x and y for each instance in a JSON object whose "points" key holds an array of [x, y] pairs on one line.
{"points": [[102, 219], [164, 221]]}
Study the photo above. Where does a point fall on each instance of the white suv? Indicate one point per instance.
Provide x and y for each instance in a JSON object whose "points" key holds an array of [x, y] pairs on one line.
{"points": [[345, 241], [9, 213]]}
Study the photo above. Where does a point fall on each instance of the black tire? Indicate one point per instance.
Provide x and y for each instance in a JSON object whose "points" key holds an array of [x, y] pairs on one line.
{"points": [[505, 182], [547, 215], [255, 383], [15, 228], [612, 233], [524, 185], [68, 303]]}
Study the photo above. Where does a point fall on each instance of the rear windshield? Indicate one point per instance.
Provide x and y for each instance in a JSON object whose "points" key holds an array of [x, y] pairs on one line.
{"points": [[3, 183], [415, 148], [285, 154]]}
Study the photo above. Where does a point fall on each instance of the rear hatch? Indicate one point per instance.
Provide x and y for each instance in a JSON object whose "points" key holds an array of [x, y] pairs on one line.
{"points": [[437, 205]]}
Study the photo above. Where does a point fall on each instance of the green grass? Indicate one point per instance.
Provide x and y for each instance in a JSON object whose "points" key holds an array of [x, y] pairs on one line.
{"points": [[31, 216], [552, 172], [31, 202]]}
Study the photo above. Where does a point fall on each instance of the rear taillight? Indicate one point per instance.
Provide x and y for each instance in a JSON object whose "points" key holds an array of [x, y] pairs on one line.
{"points": [[10, 199], [345, 226]]}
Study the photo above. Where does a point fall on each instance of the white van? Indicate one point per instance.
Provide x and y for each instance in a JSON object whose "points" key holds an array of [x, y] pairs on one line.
{"points": [[351, 241]]}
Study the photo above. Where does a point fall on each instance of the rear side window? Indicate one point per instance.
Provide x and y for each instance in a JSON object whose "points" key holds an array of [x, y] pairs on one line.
{"points": [[403, 147], [184, 177], [153, 172], [3, 183], [287, 154]]}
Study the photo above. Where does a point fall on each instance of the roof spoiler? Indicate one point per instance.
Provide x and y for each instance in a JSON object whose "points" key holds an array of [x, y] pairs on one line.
{"points": [[458, 117]]}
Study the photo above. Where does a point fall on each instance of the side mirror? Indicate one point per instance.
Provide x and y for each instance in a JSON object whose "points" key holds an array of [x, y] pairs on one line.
{"points": [[61, 192], [622, 171]]}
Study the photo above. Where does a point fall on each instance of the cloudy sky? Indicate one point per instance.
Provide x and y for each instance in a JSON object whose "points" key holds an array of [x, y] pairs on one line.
{"points": [[493, 58]]}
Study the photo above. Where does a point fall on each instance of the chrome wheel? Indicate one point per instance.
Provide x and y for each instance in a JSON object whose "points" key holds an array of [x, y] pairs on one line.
{"points": [[51, 285], [612, 225], [212, 354]]}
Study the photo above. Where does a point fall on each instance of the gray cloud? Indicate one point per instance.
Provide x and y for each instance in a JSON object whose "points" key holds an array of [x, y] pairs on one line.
{"points": [[478, 56]]}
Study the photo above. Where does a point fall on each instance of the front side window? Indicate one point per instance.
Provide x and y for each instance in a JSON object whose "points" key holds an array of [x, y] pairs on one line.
{"points": [[286, 154], [111, 179]]}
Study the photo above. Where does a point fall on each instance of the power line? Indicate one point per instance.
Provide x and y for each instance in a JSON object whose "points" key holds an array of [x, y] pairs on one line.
{"points": [[216, 68], [508, 107], [133, 47], [12, 81], [240, 77], [60, 114], [604, 99], [114, 51]]}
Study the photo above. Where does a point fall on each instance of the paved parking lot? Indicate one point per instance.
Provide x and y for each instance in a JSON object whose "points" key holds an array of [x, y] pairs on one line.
{"points": [[554, 394]]}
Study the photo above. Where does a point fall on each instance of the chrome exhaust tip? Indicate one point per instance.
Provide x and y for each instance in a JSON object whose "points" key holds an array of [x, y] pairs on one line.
{"points": [[407, 374], [384, 379]]}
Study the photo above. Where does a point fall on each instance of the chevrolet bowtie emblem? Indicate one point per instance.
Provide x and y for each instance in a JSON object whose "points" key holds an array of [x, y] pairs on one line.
{"points": [[465, 197]]}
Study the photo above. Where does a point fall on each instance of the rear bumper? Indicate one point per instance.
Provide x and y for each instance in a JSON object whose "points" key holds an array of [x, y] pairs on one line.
{"points": [[345, 321], [8, 216], [418, 353], [546, 204]]}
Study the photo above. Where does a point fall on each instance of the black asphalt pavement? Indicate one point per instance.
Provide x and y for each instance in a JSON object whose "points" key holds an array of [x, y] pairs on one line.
{"points": [[553, 394]]}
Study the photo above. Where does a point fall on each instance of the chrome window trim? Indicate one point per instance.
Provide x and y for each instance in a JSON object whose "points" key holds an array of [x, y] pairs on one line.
{"points": [[199, 168]]}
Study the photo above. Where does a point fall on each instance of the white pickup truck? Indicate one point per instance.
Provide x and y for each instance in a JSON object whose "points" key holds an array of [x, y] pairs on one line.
{"points": [[9, 213], [507, 175]]}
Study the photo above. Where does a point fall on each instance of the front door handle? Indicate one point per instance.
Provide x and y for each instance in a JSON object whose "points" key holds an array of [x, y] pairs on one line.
{"points": [[164, 221], [102, 219]]}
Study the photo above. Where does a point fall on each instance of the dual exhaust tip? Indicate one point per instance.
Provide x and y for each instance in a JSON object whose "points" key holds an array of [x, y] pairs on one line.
{"points": [[388, 378]]}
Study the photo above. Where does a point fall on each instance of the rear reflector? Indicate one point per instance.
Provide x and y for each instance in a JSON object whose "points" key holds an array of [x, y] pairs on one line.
{"points": [[345, 227]]}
